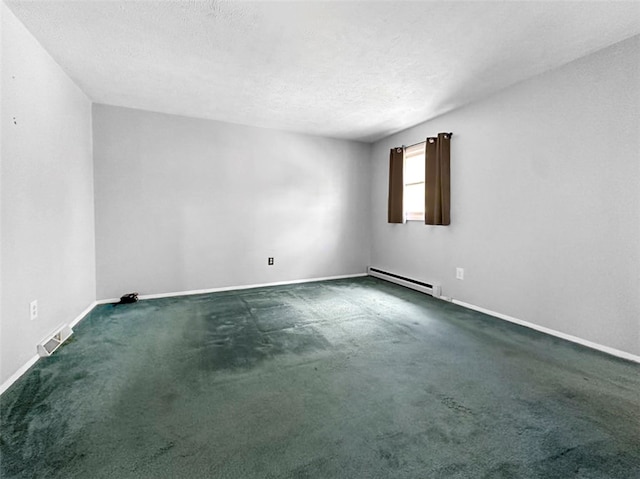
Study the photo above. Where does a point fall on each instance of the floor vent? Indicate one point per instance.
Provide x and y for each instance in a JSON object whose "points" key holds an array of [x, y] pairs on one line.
{"points": [[432, 289], [53, 341]]}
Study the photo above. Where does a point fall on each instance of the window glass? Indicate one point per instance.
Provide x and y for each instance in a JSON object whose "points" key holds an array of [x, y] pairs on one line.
{"points": [[414, 182], [414, 169]]}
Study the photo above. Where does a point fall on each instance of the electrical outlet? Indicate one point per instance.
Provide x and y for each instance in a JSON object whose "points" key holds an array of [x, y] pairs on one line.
{"points": [[459, 273], [270, 261], [33, 309]]}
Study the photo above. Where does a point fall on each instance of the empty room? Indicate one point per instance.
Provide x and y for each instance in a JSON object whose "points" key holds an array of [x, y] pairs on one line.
{"points": [[320, 239]]}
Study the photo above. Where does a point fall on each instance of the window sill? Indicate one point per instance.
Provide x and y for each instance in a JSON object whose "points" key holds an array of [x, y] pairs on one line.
{"points": [[414, 217]]}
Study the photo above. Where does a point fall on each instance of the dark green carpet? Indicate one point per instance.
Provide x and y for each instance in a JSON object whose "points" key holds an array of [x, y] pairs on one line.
{"points": [[342, 379]]}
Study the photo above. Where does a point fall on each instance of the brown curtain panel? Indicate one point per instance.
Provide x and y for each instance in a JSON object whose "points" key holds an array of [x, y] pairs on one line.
{"points": [[437, 198], [396, 186]]}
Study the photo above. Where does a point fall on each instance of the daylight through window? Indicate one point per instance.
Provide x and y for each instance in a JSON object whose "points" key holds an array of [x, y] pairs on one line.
{"points": [[414, 182]]}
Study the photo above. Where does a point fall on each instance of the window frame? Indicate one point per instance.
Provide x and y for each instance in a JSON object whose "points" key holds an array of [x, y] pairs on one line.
{"points": [[409, 153]]}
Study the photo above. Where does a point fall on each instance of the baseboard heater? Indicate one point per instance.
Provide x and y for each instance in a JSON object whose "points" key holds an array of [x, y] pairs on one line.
{"points": [[54, 341], [432, 289]]}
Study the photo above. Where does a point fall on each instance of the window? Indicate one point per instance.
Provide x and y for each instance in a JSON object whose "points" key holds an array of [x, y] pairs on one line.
{"points": [[414, 182]]}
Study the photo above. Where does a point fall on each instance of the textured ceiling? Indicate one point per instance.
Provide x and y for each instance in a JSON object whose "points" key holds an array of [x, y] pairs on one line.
{"points": [[357, 70]]}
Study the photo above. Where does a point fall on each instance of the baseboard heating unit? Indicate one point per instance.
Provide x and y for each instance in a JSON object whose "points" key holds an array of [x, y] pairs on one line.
{"points": [[431, 289]]}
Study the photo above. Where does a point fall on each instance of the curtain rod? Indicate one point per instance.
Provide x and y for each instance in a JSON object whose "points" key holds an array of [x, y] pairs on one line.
{"points": [[415, 144]]}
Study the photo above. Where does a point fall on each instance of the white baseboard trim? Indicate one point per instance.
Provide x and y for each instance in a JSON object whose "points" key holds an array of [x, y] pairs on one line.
{"points": [[552, 332], [82, 315], [233, 288], [15, 376], [26, 366]]}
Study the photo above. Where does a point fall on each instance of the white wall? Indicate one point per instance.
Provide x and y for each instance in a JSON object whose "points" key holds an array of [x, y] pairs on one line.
{"points": [[48, 248], [545, 202], [185, 204]]}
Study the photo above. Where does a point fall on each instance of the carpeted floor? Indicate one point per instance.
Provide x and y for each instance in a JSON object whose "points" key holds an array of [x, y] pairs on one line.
{"points": [[341, 379]]}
